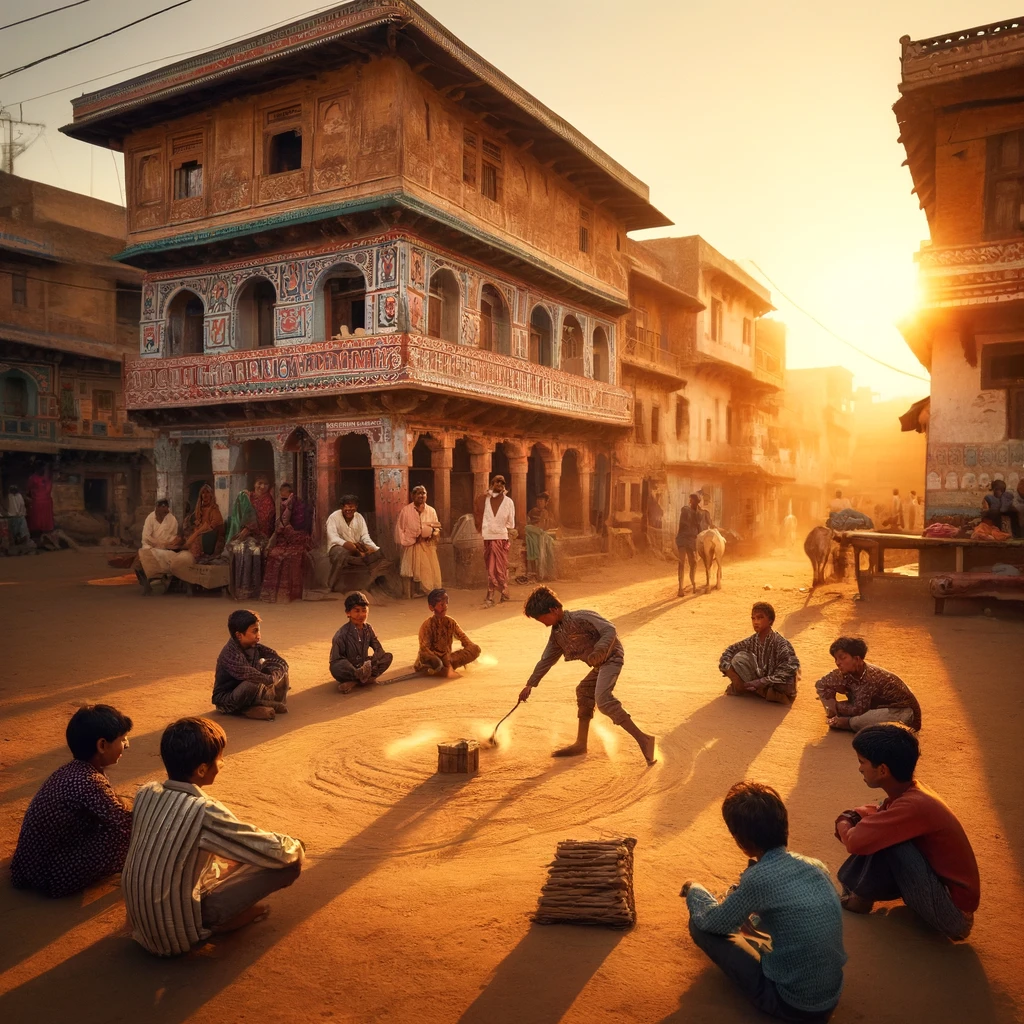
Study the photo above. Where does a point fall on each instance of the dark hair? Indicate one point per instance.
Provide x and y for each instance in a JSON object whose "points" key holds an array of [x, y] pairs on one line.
{"points": [[162, 501], [435, 595], [764, 606], [349, 499], [284, 485], [239, 621], [891, 744], [188, 743], [853, 645], [756, 816], [998, 483], [546, 495], [92, 723], [357, 599], [540, 602], [261, 476]]}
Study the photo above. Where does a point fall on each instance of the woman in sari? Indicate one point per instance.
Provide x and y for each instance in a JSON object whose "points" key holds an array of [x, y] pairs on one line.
{"points": [[286, 556], [203, 532], [540, 542], [248, 533], [40, 501]]}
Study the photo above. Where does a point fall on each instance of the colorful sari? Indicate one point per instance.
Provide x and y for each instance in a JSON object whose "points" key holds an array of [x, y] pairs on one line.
{"points": [[248, 533], [203, 533], [286, 556], [40, 510]]}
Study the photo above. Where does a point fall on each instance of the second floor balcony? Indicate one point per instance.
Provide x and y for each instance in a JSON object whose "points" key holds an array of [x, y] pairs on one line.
{"points": [[379, 363], [651, 351]]}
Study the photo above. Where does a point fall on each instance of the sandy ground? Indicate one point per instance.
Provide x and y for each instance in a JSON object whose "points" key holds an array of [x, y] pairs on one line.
{"points": [[415, 899]]}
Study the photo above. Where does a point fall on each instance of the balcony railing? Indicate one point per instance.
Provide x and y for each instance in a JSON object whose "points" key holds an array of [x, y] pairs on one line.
{"points": [[648, 348], [378, 363], [971, 275]]}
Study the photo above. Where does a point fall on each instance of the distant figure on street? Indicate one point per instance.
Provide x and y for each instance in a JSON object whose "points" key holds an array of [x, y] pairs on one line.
{"points": [[764, 664], [838, 503], [896, 510], [160, 541], [583, 636], [540, 544], [873, 695], [692, 520], [913, 514], [16, 520], [416, 533], [76, 831], [789, 960], [911, 847], [348, 542], [193, 869], [40, 501], [495, 518], [351, 663], [250, 679], [1017, 510]]}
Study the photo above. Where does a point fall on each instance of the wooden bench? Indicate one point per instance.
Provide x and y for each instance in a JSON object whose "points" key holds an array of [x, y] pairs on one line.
{"points": [[974, 585]]}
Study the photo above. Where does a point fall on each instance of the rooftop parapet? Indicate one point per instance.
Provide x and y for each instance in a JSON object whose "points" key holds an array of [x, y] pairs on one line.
{"points": [[955, 55]]}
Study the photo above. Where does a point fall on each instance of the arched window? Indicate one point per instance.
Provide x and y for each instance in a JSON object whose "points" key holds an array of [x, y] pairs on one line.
{"points": [[602, 364], [540, 337], [341, 302], [254, 314], [572, 346], [443, 307], [494, 326], [185, 322], [18, 394]]}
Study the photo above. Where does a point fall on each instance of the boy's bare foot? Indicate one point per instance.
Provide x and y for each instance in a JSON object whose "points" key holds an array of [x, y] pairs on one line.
{"points": [[280, 708], [347, 687], [451, 673], [854, 904], [255, 913], [646, 744], [573, 750], [364, 671], [260, 711]]}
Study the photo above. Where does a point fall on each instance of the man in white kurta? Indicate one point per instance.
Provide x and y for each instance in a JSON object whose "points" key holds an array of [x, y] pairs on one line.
{"points": [[348, 542], [496, 521], [159, 543], [416, 533]]}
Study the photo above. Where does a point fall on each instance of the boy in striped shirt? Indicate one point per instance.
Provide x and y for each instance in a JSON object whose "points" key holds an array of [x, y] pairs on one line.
{"points": [[193, 869]]}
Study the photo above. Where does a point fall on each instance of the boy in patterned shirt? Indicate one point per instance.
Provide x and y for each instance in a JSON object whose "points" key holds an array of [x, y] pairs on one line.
{"points": [[764, 664], [583, 636], [351, 662], [76, 831]]}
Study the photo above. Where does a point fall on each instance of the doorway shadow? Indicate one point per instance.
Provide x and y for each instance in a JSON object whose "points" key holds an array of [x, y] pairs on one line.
{"points": [[526, 990]]}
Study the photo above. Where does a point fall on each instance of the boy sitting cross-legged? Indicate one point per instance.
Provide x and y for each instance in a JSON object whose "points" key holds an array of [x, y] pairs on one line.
{"points": [[437, 635], [193, 868], [250, 679], [76, 830], [583, 636], [793, 969], [351, 662]]}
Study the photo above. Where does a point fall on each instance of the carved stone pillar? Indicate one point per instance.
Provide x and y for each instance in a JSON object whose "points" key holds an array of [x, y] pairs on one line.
{"points": [[325, 484], [391, 458], [169, 475], [220, 457], [481, 467], [553, 485], [518, 466], [441, 499]]}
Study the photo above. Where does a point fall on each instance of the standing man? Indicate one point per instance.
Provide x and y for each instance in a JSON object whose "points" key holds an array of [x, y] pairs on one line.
{"points": [[416, 533], [913, 523], [160, 541], [348, 542], [896, 510], [692, 520], [495, 516]]}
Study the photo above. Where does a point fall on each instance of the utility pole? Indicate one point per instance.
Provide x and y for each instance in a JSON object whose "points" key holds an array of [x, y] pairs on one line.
{"points": [[16, 135]]}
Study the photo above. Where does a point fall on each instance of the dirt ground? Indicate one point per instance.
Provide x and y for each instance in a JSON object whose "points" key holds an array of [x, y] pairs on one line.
{"points": [[415, 899]]}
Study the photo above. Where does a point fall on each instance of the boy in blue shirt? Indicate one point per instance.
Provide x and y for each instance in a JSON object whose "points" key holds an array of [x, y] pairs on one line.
{"points": [[800, 975]]}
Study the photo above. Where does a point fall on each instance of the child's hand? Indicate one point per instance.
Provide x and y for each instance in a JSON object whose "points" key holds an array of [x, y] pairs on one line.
{"points": [[524, 694]]}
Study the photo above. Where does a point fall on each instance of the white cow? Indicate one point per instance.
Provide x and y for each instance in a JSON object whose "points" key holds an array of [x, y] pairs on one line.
{"points": [[789, 528], [710, 548]]}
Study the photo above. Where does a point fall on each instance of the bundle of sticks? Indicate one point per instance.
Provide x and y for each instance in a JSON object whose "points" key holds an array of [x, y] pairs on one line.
{"points": [[589, 883]]}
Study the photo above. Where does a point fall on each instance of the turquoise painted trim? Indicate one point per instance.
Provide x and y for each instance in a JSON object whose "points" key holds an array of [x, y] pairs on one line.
{"points": [[311, 214]]}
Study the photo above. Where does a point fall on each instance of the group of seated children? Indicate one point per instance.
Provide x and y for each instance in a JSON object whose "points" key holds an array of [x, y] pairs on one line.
{"points": [[189, 867], [765, 665], [778, 933]]}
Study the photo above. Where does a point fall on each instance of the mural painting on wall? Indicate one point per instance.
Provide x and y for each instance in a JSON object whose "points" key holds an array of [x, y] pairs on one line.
{"points": [[387, 265], [219, 296], [416, 268], [387, 310], [148, 302], [292, 321], [292, 282], [415, 312], [217, 332], [150, 338], [470, 327]]}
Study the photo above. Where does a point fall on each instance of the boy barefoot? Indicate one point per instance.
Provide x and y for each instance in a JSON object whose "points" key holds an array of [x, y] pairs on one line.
{"points": [[437, 635], [250, 679], [76, 830], [911, 847], [193, 868], [583, 636], [798, 974], [351, 662]]}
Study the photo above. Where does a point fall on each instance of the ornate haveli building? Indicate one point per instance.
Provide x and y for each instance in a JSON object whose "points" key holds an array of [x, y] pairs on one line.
{"points": [[372, 260], [961, 117]]}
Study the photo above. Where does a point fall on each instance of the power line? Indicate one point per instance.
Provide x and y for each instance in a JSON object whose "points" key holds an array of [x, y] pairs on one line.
{"points": [[56, 10], [828, 330], [105, 35]]}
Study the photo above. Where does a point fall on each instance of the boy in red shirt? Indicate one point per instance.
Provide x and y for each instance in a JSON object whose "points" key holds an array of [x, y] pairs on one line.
{"points": [[911, 847]]}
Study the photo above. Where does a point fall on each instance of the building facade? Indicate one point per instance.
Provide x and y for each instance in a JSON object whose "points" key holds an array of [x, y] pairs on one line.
{"points": [[371, 260], [68, 316], [707, 372], [961, 118]]}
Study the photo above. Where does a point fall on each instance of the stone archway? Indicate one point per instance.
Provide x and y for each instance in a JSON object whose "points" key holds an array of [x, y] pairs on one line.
{"points": [[570, 498]]}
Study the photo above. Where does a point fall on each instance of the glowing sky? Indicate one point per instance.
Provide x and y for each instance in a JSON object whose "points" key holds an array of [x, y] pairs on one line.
{"points": [[766, 128]]}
